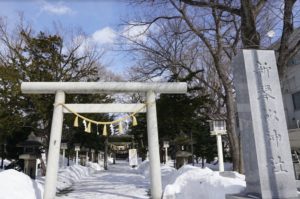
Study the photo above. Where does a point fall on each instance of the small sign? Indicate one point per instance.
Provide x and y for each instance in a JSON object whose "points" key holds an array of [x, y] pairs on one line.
{"points": [[77, 148], [166, 144], [133, 159], [63, 146]]}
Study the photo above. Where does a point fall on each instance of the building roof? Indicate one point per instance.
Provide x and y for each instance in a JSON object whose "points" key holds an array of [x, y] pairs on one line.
{"points": [[32, 140]]}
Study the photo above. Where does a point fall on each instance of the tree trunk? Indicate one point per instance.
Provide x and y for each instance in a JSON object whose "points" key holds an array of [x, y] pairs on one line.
{"points": [[234, 140], [284, 52], [250, 36], [235, 148]]}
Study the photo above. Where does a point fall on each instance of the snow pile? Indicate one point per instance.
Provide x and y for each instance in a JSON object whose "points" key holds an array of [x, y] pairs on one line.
{"points": [[166, 173], [192, 182], [144, 169], [17, 185], [94, 166], [5, 162], [101, 161], [68, 175], [110, 160]]}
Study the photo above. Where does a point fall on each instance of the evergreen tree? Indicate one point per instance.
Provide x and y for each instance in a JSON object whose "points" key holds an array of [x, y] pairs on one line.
{"points": [[41, 57]]}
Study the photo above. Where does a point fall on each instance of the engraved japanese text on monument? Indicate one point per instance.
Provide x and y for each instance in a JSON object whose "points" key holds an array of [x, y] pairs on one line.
{"points": [[267, 99]]}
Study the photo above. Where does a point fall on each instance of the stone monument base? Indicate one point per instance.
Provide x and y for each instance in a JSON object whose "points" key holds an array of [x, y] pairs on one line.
{"points": [[236, 196], [250, 196], [241, 196]]}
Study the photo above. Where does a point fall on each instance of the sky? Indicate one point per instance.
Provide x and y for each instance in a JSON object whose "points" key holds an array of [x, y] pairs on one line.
{"points": [[100, 20]]}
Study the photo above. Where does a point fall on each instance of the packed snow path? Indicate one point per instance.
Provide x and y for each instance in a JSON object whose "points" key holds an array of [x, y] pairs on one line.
{"points": [[119, 181]]}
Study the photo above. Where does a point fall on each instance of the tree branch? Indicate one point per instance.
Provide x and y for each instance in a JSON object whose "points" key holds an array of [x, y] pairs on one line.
{"points": [[259, 6], [223, 7]]}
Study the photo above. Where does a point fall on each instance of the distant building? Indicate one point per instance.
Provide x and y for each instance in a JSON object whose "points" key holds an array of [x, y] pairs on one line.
{"points": [[291, 94], [290, 86], [291, 98]]}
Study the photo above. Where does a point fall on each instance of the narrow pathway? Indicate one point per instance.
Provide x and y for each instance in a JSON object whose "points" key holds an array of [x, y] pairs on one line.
{"points": [[119, 181]]}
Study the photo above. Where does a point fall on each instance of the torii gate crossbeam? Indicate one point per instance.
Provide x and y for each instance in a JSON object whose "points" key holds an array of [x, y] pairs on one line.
{"points": [[62, 88]]}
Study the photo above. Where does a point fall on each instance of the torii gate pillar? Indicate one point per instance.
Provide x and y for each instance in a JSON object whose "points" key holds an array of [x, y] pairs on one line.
{"points": [[152, 132], [54, 146]]}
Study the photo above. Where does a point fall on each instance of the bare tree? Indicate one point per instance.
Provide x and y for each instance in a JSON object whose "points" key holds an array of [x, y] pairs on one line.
{"points": [[287, 49], [222, 28], [216, 36], [249, 11]]}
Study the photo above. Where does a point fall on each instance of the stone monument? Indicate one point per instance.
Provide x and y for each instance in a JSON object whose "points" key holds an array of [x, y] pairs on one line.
{"points": [[263, 128]]}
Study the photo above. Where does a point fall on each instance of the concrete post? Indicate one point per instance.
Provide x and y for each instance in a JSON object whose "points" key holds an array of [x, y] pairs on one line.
{"points": [[63, 155], [54, 147], [105, 153], [166, 154], [153, 146], [220, 152], [63, 147], [76, 160], [86, 157], [92, 155]]}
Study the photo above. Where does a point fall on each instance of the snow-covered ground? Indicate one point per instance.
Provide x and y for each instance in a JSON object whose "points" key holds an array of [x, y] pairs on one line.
{"points": [[121, 181]]}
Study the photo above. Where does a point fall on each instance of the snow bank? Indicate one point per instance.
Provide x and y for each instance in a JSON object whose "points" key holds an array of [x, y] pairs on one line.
{"points": [[166, 171], [193, 182], [167, 174], [68, 175], [144, 169], [95, 166], [17, 185], [5, 162]]}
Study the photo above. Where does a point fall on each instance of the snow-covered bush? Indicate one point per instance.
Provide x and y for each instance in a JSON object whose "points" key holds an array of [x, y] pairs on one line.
{"points": [[192, 182]]}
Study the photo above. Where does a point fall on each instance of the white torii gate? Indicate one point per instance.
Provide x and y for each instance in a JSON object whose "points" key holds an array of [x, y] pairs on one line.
{"points": [[62, 88]]}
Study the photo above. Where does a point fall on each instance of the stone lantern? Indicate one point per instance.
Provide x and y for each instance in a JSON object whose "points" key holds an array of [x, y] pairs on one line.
{"points": [[31, 152]]}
